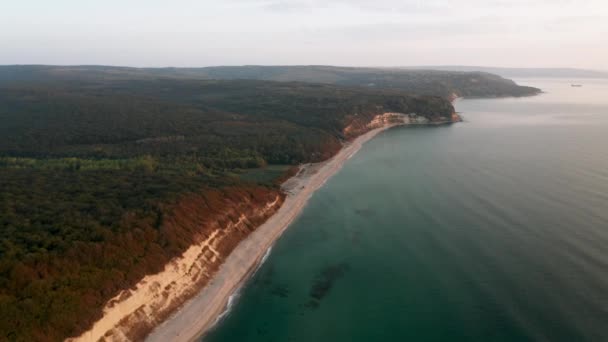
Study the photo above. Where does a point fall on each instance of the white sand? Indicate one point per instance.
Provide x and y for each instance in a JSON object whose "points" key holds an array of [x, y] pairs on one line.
{"points": [[201, 312]]}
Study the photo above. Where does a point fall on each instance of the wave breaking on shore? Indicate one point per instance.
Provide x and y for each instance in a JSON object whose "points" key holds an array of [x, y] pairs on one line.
{"points": [[232, 299]]}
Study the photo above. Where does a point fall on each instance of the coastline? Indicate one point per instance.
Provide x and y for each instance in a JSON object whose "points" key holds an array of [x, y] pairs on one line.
{"points": [[187, 297], [200, 313]]}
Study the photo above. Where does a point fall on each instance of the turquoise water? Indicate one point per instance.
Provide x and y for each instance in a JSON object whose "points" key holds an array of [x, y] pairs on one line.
{"points": [[495, 229]]}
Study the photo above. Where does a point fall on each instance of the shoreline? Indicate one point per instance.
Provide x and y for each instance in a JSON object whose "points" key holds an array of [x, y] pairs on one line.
{"points": [[202, 312]]}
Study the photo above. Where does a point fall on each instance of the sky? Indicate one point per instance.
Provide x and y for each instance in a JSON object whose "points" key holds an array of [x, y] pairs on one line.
{"points": [[180, 33]]}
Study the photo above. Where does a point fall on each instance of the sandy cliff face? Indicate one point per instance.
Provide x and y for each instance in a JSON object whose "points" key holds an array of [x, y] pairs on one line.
{"points": [[387, 119], [135, 312], [360, 125], [357, 127]]}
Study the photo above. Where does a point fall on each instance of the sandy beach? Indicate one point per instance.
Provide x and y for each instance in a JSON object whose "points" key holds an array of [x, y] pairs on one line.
{"points": [[200, 313]]}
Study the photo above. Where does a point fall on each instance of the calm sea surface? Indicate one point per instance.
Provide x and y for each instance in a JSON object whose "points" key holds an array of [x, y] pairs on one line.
{"points": [[495, 229]]}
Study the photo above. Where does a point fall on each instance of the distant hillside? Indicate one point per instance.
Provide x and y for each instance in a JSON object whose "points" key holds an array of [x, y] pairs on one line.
{"points": [[447, 84], [522, 72], [282, 122]]}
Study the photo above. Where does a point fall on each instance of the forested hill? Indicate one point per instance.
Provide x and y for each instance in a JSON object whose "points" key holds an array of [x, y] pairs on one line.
{"points": [[571, 73], [422, 82], [280, 122], [105, 179], [427, 82]]}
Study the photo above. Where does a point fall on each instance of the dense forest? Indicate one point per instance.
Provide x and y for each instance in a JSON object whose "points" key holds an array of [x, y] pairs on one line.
{"points": [[96, 163], [240, 122], [448, 84], [445, 83], [93, 172]]}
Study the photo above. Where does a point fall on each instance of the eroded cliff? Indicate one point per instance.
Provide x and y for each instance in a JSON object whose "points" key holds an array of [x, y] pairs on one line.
{"points": [[358, 127], [134, 312]]}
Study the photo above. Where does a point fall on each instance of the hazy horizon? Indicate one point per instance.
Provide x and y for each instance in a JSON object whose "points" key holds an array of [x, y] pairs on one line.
{"points": [[419, 67], [386, 33]]}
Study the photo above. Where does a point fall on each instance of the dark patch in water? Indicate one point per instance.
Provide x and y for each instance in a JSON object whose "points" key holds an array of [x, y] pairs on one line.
{"points": [[262, 331], [280, 291], [365, 212], [323, 283], [312, 304]]}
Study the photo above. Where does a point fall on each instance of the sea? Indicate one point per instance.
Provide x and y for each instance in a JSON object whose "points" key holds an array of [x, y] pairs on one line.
{"points": [[493, 229]]}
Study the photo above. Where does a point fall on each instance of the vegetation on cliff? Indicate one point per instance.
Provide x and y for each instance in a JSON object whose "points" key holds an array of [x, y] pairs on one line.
{"points": [[93, 172]]}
